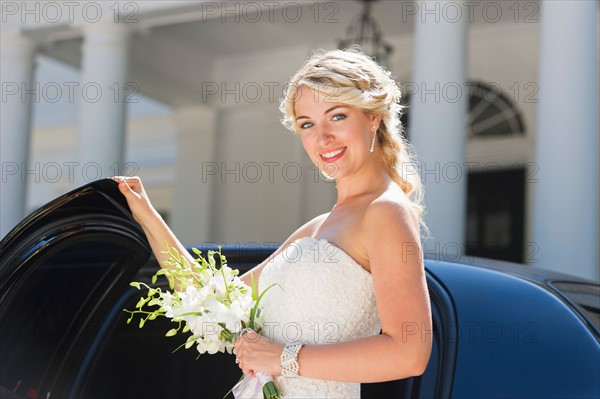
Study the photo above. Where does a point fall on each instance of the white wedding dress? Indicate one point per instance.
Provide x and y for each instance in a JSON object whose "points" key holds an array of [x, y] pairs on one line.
{"points": [[322, 296]]}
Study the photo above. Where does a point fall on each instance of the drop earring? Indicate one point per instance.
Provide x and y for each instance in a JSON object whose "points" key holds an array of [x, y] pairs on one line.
{"points": [[372, 149]]}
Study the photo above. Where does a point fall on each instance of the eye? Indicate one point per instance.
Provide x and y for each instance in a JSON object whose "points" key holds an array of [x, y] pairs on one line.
{"points": [[342, 116], [304, 125]]}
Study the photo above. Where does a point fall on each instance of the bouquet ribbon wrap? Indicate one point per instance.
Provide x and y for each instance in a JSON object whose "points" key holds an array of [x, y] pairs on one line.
{"points": [[251, 388]]}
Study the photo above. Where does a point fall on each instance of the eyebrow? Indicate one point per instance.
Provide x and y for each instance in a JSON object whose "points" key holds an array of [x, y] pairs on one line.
{"points": [[326, 112]]}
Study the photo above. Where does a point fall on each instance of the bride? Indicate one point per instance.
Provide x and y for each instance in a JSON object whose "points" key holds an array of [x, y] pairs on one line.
{"points": [[352, 304]]}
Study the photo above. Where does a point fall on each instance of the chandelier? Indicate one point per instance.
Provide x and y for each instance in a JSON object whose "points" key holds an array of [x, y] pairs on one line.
{"points": [[365, 32]]}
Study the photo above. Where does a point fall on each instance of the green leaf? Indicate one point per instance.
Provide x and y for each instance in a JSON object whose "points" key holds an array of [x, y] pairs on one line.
{"points": [[171, 332], [253, 286], [255, 308]]}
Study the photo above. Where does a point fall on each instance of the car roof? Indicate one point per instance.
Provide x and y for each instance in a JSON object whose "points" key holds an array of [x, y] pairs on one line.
{"points": [[526, 271]]}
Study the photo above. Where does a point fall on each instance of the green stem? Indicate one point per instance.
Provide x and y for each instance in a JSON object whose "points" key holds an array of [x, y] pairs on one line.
{"points": [[143, 311]]}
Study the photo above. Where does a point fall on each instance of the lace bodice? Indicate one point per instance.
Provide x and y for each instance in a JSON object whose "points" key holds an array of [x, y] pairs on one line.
{"points": [[322, 296]]}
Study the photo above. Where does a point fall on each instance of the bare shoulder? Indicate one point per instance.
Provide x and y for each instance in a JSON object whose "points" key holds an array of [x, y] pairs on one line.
{"points": [[312, 225], [390, 218], [392, 207], [307, 229]]}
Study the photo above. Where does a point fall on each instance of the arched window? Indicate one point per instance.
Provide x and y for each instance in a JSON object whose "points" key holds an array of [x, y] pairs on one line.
{"points": [[491, 112]]}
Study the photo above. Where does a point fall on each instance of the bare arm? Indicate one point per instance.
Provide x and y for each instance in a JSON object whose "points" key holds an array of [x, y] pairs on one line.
{"points": [[155, 228]]}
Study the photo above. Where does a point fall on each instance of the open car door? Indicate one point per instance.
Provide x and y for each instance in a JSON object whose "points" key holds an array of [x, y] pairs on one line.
{"points": [[61, 269]]}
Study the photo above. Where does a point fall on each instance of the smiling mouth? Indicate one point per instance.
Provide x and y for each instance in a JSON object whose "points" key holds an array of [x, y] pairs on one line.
{"points": [[333, 155]]}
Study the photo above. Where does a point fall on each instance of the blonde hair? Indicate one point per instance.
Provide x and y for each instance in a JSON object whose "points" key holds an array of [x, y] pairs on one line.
{"points": [[351, 77]]}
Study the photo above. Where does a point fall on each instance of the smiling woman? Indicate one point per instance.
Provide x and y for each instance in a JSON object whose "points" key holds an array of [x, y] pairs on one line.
{"points": [[345, 109], [341, 84], [351, 279]]}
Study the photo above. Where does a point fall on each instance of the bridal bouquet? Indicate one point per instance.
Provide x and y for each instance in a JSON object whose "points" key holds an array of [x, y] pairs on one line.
{"points": [[211, 303]]}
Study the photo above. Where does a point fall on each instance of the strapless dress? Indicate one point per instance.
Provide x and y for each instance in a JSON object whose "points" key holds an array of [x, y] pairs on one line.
{"points": [[322, 296]]}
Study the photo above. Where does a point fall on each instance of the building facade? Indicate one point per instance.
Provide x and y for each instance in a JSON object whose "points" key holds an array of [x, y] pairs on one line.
{"points": [[503, 115]]}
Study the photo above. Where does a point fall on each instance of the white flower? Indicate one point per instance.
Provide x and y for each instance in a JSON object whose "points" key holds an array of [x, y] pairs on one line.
{"points": [[209, 346], [167, 302], [190, 304], [203, 326], [213, 310]]}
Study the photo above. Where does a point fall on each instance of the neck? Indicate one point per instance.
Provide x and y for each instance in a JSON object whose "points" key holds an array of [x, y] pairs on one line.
{"points": [[374, 178]]}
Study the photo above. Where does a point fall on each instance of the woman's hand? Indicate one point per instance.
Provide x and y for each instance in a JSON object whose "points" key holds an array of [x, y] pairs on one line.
{"points": [[255, 353], [138, 201]]}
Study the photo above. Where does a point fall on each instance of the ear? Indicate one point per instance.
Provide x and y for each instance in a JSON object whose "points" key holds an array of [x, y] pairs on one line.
{"points": [[376, 121]]}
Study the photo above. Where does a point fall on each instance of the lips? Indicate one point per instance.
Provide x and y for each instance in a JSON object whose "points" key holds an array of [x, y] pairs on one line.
{"points": [[333, 155]]}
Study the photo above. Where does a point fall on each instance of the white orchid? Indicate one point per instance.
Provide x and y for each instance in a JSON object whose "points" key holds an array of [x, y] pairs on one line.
{"points": [[212, 303]]}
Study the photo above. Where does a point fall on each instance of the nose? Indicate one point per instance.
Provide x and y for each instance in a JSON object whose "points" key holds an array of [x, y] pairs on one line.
{"points": [[325, 135]]}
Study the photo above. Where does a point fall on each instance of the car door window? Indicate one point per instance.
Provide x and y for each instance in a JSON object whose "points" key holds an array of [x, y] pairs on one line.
{"points": [[50, 307]]}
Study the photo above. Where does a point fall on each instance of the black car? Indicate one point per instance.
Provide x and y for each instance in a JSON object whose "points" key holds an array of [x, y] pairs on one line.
{"points": [[501, 330]]}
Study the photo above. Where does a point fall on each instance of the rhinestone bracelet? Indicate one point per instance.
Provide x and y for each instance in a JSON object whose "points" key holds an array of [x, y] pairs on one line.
{"points": [[289, 360]]}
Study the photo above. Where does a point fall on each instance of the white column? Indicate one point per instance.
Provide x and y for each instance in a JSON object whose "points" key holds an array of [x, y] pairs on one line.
{"points": [[101, 125], [566, 199], [16, 74], [194, 174], [438, 121]]}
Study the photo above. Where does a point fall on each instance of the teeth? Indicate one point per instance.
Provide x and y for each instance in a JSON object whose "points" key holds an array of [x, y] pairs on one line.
{"points": [[333, 153]]}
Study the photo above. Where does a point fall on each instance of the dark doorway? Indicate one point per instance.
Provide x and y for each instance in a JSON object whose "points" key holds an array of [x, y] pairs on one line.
{"points": [[495, 214]]}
